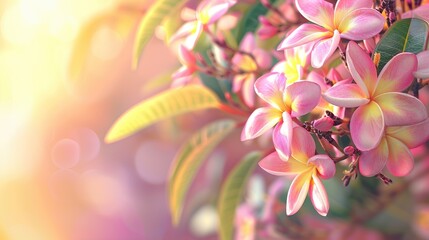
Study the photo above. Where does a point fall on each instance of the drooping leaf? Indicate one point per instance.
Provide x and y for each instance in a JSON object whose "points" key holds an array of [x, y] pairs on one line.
{"points": [[406, 35], [153, 18], [164, 105], [231, 193], [189, 159]]}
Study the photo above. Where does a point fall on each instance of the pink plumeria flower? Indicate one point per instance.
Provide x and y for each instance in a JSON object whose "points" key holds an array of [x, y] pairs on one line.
{"points": [[189, 66], [244, 82], [296, 63], [393, 150], [423, 65], [345, 21], [285, 103], [379, 99], [245, 223], [307, 169], [208, 12]]}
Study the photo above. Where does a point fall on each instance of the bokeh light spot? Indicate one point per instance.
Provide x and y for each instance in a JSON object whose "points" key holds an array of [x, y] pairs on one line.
{"points": [[152, 161], [65, 153], [204, 221]]}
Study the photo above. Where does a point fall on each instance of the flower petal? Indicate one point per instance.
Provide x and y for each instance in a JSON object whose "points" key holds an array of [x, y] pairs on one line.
{"points": [[301, 97], [282, 137], [209, 11], [276, 166], [401, 109], [305, 33], [397, 74], [324, 164], [248, 44], [344, 7], [303, 146], [367, 126], [373, 161], [248, 90], [324, 49], [345, 95], [361, 68], [318, 11], [411, 135], [190, 30], [401, 161], [351, 26], [423, 64], [297, 192], [318, 196], [270, 88], [259, 122]]}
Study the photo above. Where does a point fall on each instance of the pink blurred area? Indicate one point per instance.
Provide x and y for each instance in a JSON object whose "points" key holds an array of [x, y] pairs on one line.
{"points": [[65, 76]]}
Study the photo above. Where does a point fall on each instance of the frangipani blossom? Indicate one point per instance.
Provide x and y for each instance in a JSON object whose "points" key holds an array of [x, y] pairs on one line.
{"points": [[393, 150], [307, 169], [379, 99], [423, 65], [189, 62], [208, 12], [296, 63], [244, 82], [285, 103], [345, 21]]}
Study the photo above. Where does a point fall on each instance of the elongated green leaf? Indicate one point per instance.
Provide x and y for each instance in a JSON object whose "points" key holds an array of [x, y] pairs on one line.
{"points": [[231, 193], [407, 35], [164, 105], [153, 18], [189, 159]]}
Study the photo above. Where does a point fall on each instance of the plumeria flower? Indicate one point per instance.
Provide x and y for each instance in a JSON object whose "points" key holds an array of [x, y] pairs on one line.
{"points": [[189, 62], [208, 12], [345, 21], [423, 65], [245, 223], [393, 150], [296, 63], [244, 82], [285, 103], [307, 168], [379, 101]]}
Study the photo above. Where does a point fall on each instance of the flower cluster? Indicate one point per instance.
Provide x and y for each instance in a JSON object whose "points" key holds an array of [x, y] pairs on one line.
{"points": [[369, 104], [326, 88]]}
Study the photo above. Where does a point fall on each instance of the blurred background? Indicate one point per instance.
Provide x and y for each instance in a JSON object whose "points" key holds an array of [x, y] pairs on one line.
{"points": [[65, 76]]}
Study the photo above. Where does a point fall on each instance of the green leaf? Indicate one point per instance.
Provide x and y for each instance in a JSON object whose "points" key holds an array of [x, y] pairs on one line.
{"points": [[153, 18], [232, 191], [407, 35], [189, 159], [217, 86], [250, 21], [164, 105]]}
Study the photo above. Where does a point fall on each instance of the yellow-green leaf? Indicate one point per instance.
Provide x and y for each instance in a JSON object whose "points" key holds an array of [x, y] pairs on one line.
{"points": [[153, 18], [189, 159], [231, 193], [164, 105]]}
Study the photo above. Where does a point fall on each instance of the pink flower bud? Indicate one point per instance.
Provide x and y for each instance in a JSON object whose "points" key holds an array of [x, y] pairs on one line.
{"points": [[324, 124], [349, 150]]}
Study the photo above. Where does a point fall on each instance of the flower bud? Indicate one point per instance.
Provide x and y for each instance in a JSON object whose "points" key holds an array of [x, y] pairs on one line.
{"points": [[324, 124], [349, 150]]}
